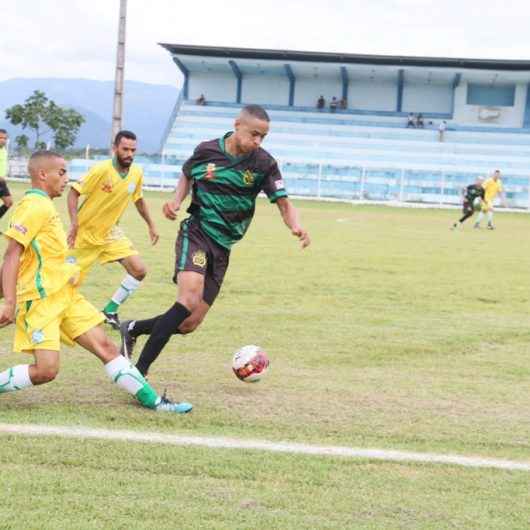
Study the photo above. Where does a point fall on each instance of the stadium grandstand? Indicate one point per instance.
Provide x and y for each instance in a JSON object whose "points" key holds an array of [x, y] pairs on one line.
{"points": [[339, 121]]}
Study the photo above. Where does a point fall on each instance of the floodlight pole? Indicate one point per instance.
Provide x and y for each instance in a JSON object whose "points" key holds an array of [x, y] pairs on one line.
{"points": [[117, 110]]}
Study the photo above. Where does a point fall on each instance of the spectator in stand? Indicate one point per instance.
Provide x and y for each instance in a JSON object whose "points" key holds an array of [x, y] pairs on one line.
{"points": [[419, 121], [333, 104], [343, 104], [411, 122], [201, 100], [441, 131], [321, 103]]}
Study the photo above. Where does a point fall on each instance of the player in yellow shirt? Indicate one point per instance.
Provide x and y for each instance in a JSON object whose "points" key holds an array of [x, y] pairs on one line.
{"points": [[492, 188], [94, 234], [38, 285]]}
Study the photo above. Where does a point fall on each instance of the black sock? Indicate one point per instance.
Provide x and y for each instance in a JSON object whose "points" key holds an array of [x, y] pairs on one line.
{"points": [[3, 210], [465, 216], [164, 326], [143, 327]]}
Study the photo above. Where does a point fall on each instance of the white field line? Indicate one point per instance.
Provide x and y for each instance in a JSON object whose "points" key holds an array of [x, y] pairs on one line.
{"points": [[261, 445]]}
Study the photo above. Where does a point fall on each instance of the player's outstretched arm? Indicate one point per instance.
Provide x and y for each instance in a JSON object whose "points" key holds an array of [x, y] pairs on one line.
{"points": [[72, 201], [9, 281], [171, 208], [143, 210], [290, 217]]}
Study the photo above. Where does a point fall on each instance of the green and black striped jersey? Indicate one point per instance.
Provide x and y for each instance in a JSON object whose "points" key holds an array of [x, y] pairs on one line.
{"points": [[225, 188]]}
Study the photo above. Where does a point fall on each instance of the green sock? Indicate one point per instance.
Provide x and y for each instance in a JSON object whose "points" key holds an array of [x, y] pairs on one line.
{"points": [[128, 285], [111, 307], [147, 396], [127, 376]]}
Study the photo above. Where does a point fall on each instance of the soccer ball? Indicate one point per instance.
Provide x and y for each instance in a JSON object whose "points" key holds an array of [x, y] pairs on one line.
{"points": [[250, 363], [477, 203]]}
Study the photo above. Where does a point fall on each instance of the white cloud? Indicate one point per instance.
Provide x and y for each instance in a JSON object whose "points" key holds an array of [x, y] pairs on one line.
{"points": [[75, 38]]}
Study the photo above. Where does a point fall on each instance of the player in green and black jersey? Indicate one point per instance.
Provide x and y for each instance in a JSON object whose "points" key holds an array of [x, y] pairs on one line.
{"points": [[471, 194], [225, 176]]}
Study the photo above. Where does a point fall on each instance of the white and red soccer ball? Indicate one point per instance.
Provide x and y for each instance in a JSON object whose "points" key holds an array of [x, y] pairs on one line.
{"points": [[250, 363]]}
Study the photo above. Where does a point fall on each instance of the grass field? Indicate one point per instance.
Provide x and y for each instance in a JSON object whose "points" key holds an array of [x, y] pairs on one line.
{"points": [[390, 331]]}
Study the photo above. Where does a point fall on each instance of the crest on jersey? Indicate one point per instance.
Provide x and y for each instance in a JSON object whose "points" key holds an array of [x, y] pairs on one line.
{"points": [[107, 186], [131, 188], [210, 171], [37, 336], [248, 177], [199, 258]]}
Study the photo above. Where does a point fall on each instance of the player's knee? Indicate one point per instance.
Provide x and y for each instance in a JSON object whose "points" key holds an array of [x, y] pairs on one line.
{"points": [[189, 325], [190, 300], [139, 272], [107, 349], [44, 374]]}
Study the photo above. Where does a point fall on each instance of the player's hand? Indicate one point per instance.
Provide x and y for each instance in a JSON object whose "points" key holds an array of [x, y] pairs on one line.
{"points": [[170, 210], [7, 314], [72, 234], [302, 235], [153, 235]]}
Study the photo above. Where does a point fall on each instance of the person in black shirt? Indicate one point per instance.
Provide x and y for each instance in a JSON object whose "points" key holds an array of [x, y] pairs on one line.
{"points": [[225, 176], [471, 193]]}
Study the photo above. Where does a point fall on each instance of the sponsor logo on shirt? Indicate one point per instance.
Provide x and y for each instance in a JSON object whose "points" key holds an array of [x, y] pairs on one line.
{"points": [[279, 184], [20, 228], [248, 177], [199, 258]]}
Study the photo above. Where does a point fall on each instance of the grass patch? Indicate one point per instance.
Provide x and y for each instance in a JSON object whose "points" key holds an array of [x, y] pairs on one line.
{"points": [[390, 331]]}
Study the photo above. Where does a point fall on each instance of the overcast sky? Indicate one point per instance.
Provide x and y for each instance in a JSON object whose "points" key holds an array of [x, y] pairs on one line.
{"points": [[77, 38]]}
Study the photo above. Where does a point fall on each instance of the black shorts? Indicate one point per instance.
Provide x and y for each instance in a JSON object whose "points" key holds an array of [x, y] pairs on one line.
{"points": [[195, 251], [4, 190]]}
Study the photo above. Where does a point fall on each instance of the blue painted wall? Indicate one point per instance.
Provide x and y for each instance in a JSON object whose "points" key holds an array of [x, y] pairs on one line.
{"points": [[496, 96]]}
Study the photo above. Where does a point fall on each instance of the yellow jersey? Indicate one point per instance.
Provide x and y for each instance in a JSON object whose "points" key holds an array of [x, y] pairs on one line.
{"points": [[36, 225], [491, 188], [108, 193]]}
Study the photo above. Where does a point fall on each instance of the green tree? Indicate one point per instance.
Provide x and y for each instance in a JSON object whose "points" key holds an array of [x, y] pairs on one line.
{"points": [[47, 120]]}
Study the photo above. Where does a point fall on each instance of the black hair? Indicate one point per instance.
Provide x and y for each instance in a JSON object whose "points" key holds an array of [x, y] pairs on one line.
{"points": [[257, 111], [124, 134], [3, 131]]}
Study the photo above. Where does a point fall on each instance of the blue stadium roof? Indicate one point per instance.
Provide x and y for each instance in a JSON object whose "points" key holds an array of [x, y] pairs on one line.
{"points": [[345, 58]]}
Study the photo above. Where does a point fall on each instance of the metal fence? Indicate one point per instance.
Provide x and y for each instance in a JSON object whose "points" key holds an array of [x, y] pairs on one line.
{"points": [[428, 185], [400, 185]]}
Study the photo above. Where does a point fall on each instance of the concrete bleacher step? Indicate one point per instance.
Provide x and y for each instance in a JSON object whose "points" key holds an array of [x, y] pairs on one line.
{"points": [[335, 153], [482, 133], [197, 134], [374, 131], [287, 149]]}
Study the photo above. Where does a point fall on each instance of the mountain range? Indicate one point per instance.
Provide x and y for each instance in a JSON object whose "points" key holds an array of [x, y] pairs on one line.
{"points": [[146, 107]]}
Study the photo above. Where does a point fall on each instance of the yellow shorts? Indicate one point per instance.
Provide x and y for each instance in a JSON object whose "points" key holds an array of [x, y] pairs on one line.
{"points": [[60, 317], [487, 205], [113, 250]]}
